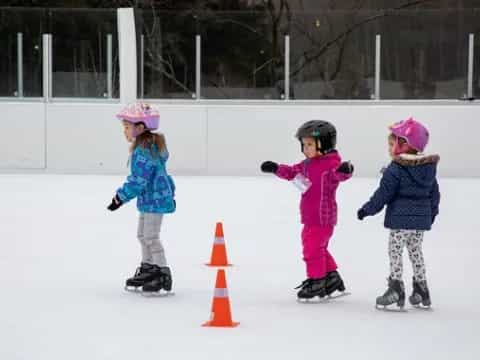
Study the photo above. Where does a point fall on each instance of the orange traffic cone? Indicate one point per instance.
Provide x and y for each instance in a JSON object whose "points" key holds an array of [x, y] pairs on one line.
{"points": [[219, 251], [221, 314]]}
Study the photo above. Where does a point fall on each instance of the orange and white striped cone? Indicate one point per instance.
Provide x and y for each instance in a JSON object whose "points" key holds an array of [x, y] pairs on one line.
{"points": [[219, 250], [221, 313]]}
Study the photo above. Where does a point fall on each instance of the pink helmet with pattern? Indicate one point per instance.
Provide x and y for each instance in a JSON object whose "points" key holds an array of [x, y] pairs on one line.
{"points": [[140, 113], [415, 134]]}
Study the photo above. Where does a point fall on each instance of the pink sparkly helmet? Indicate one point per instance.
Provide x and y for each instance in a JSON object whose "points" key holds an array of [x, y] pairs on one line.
{"points": [[414, 133], [140, 113]]}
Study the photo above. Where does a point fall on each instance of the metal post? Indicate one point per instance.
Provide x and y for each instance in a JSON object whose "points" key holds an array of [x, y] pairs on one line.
{"points": [[287, 67], [471, 40], [19, 64], [142, 65], [50, 66], [198, 68], [377, 66], [47, 66], [109, 66]]}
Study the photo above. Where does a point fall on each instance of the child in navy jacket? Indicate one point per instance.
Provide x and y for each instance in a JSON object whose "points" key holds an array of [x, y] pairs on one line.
{"points": [[409, 189]]}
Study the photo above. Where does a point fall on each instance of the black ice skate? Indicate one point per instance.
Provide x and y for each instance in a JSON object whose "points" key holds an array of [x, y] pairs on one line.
{"points": [[143, 274], [394, 294], [161, 284], [420, 295], [311, 288], [334, 283]]}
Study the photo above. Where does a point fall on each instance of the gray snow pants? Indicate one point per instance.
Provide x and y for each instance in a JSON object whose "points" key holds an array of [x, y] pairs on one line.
{"points": [[149, 236]]}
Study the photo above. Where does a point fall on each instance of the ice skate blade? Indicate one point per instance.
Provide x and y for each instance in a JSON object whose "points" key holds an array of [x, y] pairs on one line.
{"points": [[161, 293], [133, 289], [313, 300], [387, 309], [322, 300], [423, 307], [338, 295]]}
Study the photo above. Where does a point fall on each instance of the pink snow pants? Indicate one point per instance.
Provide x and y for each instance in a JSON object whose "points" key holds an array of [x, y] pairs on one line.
{"points": [[315, 254]]}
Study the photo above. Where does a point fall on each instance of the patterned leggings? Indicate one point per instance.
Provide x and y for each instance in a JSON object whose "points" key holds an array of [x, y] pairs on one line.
{"points": [[413, 240]]}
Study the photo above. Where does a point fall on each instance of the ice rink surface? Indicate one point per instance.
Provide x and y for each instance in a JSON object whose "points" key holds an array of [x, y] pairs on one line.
{"points": [[64, 259]]}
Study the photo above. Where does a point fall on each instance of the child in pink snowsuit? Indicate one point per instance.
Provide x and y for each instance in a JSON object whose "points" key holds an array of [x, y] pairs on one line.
{"points": [[318, 177]]}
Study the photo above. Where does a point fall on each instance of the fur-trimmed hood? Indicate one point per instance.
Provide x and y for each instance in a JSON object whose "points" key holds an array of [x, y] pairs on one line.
{"points": [[415, 160], [421, 168]]}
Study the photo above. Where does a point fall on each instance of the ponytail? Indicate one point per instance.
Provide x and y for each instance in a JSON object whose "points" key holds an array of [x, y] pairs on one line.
{"points": [[147, 139]]}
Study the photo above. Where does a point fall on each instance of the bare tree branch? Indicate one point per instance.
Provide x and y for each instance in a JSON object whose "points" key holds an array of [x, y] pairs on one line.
{"points": [[348, 31]]}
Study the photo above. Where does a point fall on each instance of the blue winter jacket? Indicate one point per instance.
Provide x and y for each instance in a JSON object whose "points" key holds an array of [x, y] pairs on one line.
{"points": [[149, 182], [409, 189]]}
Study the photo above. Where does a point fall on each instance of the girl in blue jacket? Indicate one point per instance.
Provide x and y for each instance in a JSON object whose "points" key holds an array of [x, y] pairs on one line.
{"points": [[154, 190], [409, 189]]}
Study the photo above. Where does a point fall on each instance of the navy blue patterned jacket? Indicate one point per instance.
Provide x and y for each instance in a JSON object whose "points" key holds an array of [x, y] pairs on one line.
{"points": [[409, 189]]}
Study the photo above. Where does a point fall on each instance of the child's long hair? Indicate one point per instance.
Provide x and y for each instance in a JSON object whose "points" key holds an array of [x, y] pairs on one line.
{"points": [[147, 139]]}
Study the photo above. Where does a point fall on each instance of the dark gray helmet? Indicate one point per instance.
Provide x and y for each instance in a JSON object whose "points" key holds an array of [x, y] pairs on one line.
{"points": [[322, 131]]}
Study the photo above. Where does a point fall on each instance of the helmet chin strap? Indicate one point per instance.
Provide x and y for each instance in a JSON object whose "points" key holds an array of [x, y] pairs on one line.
{"points": [[135, 133]]}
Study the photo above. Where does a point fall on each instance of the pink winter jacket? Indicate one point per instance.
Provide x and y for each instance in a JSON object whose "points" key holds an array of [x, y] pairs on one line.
{"points": [[318, 205]]}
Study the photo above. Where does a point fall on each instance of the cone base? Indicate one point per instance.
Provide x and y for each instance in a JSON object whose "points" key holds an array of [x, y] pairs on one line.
{"points": [[218, 265], [214, 324]]}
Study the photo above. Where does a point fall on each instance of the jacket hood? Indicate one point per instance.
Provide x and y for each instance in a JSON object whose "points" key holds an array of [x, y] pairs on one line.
{"points": [[421, 168]]}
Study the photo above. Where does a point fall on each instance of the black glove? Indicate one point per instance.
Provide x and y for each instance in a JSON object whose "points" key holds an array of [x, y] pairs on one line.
{"points": [[115, 204], [345, 167], [269, 167], [433, 218], [361, 214]]}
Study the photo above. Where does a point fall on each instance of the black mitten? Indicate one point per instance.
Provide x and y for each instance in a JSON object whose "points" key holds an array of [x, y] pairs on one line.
{"points": [[361, 214], [269, 167], [115, 204], [345, 167]]}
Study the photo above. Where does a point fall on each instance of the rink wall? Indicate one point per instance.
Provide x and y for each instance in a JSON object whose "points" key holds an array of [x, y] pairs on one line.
{"points": [[228, 138]]}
